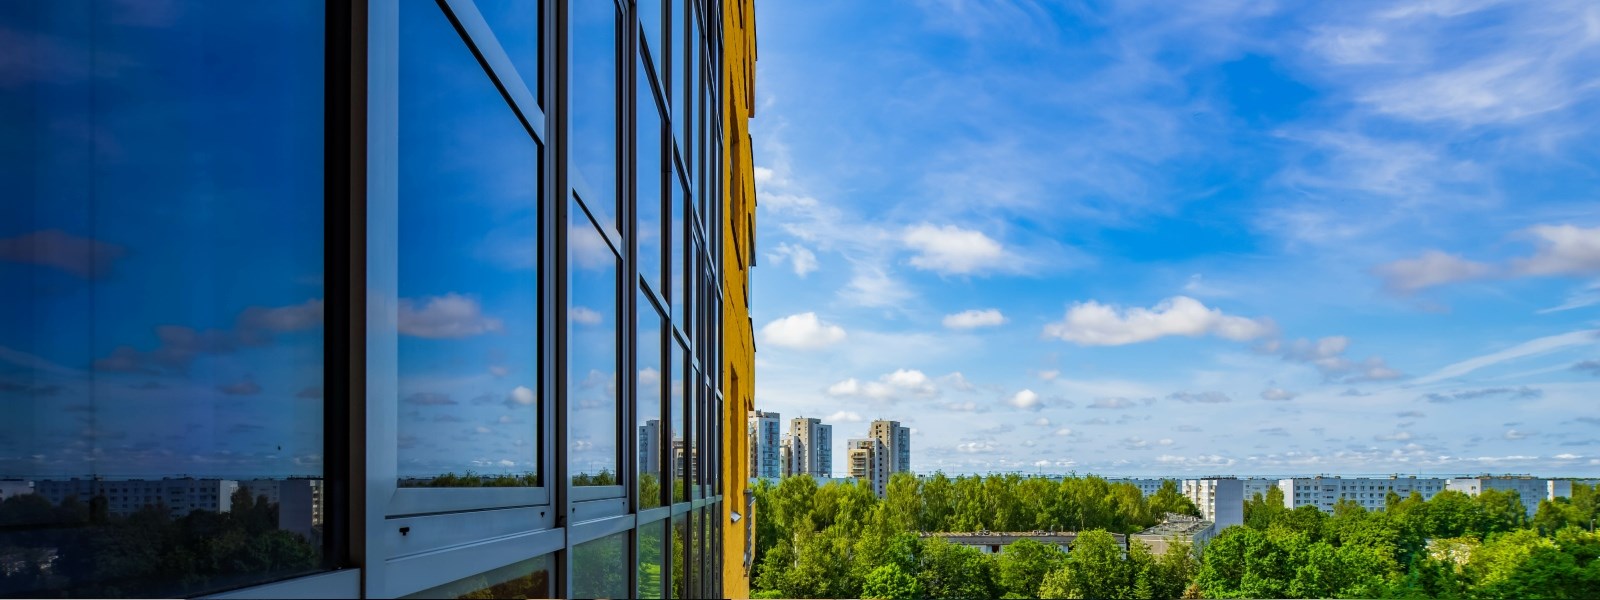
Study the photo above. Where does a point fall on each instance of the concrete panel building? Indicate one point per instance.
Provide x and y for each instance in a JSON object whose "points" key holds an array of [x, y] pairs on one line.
{"points": [[1531, 490], [765, 435], [810, 445], [1220, 500], [1370, 492]]}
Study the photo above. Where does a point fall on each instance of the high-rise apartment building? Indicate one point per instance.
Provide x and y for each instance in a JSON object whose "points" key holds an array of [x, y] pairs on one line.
{"points": [[764, 433], [1220, 499], [1369, 492], [478, 267], [1530, 489], [886, 451], [810, 444]]}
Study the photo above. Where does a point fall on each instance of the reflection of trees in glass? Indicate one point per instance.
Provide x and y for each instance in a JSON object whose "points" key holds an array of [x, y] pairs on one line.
{"points": [[526, 579], [471, 479], [680, 531], [604, 477], [599, 568], [79, 549], [649, 491], [650, 539]]}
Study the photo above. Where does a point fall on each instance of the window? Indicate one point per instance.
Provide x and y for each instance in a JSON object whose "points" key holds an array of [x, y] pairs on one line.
{"points": [[652, 536], [468, 269], [599, 568], [650, 386], [591, 351], [526, 579], [163, 278], [650, 175], [593, 118]]}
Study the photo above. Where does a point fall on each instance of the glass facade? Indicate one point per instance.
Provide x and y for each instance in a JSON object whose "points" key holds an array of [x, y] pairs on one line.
{"points": [[425, 286]]}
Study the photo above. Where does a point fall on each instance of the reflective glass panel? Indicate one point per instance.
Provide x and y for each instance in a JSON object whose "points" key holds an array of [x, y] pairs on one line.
{"points": [[651, 540], [526, 579], [680, 558], [468, 263], [649, 386], [650, 22], [649, 175], [679, 240], [599, 568], [678, 386], [691, 389], [679, 71], [516, 26], [161, 296], [591, 352], [594, 116]]}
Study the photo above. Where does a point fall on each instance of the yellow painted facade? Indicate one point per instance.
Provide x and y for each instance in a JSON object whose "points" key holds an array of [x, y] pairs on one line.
{"points": [[738, 256]]}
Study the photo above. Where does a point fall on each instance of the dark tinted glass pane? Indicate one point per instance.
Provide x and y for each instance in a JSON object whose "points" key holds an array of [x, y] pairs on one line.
{"points": [[600, 568], [591, 351], [649, 387], [526, 579], [692, 390], [680, 558], [161, 311], [650, 174], [594, 116], [516, 26], [468, 263], [652, 537], [678, 386]]}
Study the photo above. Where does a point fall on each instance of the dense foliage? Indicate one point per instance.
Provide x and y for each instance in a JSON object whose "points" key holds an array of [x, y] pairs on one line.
{"points": [[841, 541], [80, 549]]}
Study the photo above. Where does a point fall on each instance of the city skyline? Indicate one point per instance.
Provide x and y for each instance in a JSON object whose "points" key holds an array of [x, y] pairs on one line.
{"points": [[1128, 240]]}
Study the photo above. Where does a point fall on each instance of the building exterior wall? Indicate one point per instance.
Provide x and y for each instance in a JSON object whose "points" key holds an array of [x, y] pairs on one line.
{"points": [[810, 444], [1531, 490], [1369, 492], [1220, 500], [765, 435], [737, 73]]}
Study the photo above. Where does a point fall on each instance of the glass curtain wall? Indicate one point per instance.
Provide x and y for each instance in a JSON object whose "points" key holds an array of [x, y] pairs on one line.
{"points": [[527, 270]]}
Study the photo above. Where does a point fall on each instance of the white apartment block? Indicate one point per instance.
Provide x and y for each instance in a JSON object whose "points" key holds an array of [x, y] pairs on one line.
{"points": [[14, 487], [763, 433], [299, 501], [650, 448], [1530, 489], [1220, 500], [1369, 492], [180, 496], [1257, 485], [810, 448], [1148, 487]]}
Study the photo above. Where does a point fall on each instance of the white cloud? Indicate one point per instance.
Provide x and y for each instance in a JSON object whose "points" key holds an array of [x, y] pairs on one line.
{"points": [[1399, 436], [976, 447], [958, 382], [973, 319], [1563, 250], [800, 258], [871, 286], [1049, 375], [1094, 324], [1433, 268], [952, 250], [1327, 355], [1026, 400], [1042, 422], [1276, 393], [1165, 442], [844, 416], [448, 316], [1528, 348], [803, 331], [1200, 397], [1063, 432], [888, 386], [584, 315], [521, 395], [1113, 403], [1512, 434]]}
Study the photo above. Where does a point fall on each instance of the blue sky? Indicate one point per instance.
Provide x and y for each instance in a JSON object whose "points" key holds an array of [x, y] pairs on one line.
{"points": [[1147, 238]]}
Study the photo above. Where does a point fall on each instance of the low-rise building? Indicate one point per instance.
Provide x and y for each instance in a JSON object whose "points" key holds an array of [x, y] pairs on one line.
{"points": [[180, 496], [1195, 532], [995, 542], [15, 487]]}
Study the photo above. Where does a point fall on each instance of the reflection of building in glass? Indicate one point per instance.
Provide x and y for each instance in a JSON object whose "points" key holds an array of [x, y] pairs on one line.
{"points": [[363, 280], [128, 496], [810, 445], [764, 438], [650, 447]]}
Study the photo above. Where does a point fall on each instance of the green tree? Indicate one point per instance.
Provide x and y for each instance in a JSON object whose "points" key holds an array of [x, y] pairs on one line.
{"points": [[1169, 499], [1094, 569], [1025, 563], [954, 571], [891, 582]]}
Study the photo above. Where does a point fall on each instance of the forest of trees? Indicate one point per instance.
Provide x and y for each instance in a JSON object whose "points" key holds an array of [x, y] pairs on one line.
{"points": [[842, 541], [147, 553]]}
